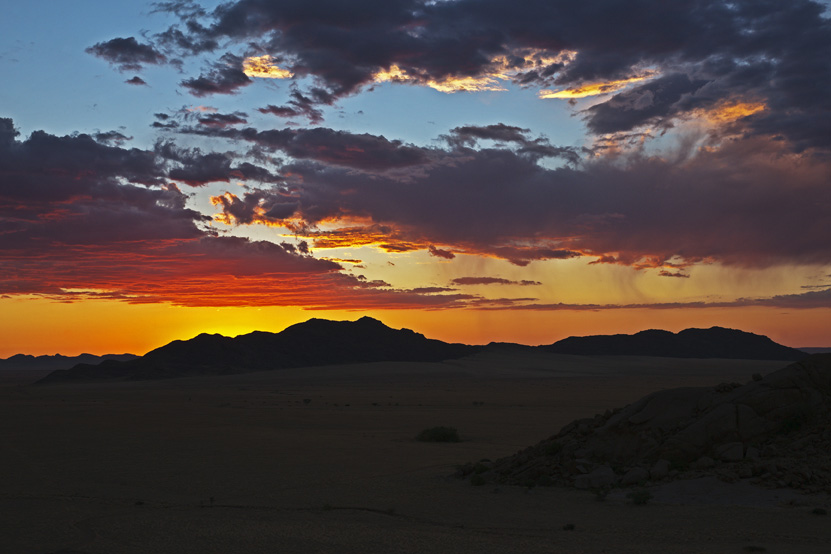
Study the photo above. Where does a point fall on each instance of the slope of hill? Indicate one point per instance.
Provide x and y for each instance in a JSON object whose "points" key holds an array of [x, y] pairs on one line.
{"points": [[733, 431], [715, 342], [314, 342]]}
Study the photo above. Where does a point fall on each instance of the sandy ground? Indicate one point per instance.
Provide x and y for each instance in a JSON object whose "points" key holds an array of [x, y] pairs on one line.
{"points": [[245, 464]]}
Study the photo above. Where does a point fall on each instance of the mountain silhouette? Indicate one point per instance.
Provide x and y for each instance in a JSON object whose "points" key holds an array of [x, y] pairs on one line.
{"points": [[319, 342], [29, 362], [312, 343], [715, 342]]}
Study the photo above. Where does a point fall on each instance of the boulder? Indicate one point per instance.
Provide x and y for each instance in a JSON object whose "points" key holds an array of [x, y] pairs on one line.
{"points": [[660, 469], [601, 477], [634, 476], [730, 452]]}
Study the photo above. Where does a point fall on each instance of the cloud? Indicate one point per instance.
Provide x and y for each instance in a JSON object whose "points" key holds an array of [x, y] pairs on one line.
{"points": [[84, 220], [221, 121], [127, 53], [224, 77], [302, 105], [469, 134], [136, 81], [440, 253], [193, 167], [694, 54], [341, 148], [749, 202], [491, 281]]}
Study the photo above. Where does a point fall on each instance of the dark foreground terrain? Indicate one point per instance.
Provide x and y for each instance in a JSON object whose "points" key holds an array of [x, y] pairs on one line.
{"points": [[324, 460]]}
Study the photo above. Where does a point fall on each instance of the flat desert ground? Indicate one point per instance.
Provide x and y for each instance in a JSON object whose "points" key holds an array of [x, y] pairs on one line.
{"points": [[324, 460]]}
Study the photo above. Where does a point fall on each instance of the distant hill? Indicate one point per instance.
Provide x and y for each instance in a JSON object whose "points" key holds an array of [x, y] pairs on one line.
{"points": [[715, 342], [323, 342], [27, 362], [312, 343], [816, 349]]}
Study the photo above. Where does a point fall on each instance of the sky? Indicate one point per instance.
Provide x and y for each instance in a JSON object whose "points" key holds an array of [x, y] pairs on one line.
{"points": [[474, 170]]}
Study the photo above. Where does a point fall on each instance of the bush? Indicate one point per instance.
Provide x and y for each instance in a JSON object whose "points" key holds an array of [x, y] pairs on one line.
{"points": [[640, 497], [439, 434], [477, 481]]}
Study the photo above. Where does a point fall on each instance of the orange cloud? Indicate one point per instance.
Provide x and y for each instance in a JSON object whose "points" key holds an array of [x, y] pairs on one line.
{"points": [[727, 112], [265, 68], [595, 89]]}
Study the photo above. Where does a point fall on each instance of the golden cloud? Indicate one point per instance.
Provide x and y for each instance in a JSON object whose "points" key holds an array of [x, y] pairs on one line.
{"points": [[263, 66], [595, 89]]}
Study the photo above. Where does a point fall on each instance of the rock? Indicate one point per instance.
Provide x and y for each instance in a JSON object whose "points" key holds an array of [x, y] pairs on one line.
{"points": [[601, 477], [730, 452], [660, 469], [786, 416], [634, 476], [704, 462]]}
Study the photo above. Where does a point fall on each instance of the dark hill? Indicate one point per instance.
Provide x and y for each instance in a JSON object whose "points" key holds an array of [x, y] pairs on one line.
{"points": [[715, 342], [27, 362], [314, 342]]}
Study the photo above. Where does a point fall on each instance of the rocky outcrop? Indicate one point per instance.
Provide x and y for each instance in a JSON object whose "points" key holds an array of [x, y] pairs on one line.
{"points": [[776, 429]]}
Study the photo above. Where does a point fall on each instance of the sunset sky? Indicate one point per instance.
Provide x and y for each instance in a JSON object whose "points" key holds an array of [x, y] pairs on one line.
{"points": [[475, 170]]}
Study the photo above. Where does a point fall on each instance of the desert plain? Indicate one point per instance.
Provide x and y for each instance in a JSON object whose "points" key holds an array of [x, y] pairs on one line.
{"points": [[324, 460]]}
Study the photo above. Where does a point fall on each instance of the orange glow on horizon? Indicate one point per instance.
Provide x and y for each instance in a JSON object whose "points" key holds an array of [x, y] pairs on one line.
{"points": [[38, 326]]}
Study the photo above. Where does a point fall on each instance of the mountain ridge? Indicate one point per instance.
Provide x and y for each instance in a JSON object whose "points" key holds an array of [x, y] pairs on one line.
{"points": [[319, 342], [54, 362]]}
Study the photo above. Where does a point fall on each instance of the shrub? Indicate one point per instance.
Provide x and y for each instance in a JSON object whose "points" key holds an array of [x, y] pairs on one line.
{"points": [[477, 481], [439, 434], [640, 497]]}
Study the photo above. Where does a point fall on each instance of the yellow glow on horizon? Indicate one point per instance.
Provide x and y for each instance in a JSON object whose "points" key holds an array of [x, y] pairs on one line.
{"points": [[38, 326], [262, 66], [594, 89]]}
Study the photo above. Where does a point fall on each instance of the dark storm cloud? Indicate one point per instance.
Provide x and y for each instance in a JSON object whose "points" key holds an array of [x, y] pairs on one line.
{"points": [[83, 220], [702, 52], [656, 100], [361, 151], [748, 203], [302, 105], [127, 53], [469, 134], [222, 120], [195, 168], [225, 77], [111, 137], [440, 253]]}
